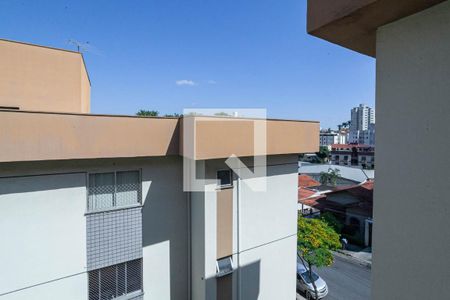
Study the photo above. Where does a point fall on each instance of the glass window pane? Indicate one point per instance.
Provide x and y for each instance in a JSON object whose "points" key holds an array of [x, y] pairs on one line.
{"points": [[128, 188], [224, 177], [134, 275], [224, 265], [101, 191], [108, 283], [93, 285]]}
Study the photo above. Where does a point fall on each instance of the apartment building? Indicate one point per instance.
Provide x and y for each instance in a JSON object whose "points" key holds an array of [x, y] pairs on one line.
{"points": [[411, 43], [361, 117], [99, 206], [353, 155], [330, 138], [362, 125]]}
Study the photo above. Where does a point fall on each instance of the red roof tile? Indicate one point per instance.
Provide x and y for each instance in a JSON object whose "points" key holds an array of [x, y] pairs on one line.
{"points": [[307, 181], [304, 193]]}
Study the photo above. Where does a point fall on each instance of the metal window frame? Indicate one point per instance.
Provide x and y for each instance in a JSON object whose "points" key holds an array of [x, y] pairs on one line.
{"points": [[114, 206], [224, 186], [116, 268], [220, 273]]}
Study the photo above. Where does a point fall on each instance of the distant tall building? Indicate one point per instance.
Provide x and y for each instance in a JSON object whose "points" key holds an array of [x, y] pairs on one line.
{"points": [[361, 117], [362, 125]]}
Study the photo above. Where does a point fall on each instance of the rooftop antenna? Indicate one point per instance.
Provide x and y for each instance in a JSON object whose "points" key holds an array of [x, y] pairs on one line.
{"points": [[80, 45]]}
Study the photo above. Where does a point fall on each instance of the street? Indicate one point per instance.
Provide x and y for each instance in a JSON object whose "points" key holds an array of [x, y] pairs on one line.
{"points": [[346, 280]]}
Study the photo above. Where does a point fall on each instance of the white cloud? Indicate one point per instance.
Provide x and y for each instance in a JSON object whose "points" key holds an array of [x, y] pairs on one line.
{"points": [[185, 82], [212, 82]]}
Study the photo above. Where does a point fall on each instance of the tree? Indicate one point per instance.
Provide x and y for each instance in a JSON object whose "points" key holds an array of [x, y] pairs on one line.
{"points": [[332, 221], [315, 241], [323, 154], [222, 114], [147, 113], [174, 115], [330, 177]]}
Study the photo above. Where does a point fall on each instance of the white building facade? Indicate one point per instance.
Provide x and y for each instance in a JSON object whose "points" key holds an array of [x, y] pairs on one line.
{"points": [[330, 138], [102, 207], [124, 229], [362, 125]]}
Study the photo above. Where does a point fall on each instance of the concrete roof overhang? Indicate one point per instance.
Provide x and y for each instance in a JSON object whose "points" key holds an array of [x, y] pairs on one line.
{"points": [[40, 136], [353, 23]]}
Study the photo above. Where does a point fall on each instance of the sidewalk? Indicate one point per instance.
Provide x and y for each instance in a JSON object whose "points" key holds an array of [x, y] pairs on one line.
{"points": [[360, 255]]}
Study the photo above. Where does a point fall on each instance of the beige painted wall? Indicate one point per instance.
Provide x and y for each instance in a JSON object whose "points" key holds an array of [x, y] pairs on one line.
{"points": [[411, 237], [43, 79], [32, 136], [224, 214], [223, 137], [27, 136]]}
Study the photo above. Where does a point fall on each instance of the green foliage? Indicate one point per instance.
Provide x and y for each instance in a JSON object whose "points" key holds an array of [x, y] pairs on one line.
{"points": [[222, 114], [315, 241], [330, 177], [147, 113], [323, 154], [174, 115], [332, 221]]}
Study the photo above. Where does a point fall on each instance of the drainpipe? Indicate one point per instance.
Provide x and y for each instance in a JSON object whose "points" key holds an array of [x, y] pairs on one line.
{"points": [[189, 258], [238, 196]]}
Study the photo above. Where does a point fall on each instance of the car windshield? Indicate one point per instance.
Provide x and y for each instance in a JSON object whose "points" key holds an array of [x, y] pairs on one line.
{"points": [[307, 278]]}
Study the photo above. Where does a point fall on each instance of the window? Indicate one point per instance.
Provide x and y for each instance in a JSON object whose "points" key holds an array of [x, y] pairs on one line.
{"points": [[115, 189], [224, 178], [115, 281], [224, 266]]}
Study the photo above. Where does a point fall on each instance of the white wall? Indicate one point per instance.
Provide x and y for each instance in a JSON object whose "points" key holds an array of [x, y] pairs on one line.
{"points": [[264, 233], [268, 235], [54, 207], [272, 215], [43, 236], [165, 229], [411, 238], [269, 272]]}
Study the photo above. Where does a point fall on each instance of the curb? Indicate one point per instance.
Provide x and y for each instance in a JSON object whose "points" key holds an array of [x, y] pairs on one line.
{"points": [[353, 259]]}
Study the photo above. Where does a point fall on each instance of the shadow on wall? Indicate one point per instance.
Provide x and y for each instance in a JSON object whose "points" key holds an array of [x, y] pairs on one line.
{"points": [[164, 219], [34, 183], [245, 283]]}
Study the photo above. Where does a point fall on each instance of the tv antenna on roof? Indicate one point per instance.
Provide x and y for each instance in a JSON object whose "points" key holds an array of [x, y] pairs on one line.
{"points": [[80, 45]]}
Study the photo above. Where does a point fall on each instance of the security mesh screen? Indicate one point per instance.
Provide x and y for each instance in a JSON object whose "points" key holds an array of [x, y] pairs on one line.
{"points": [[134, 282], [115, 189], [128, 188], [108, 283], [121, 280], [94, 285], [115, 281], [101, 191]]}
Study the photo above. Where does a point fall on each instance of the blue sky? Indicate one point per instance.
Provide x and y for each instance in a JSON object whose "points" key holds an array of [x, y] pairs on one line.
{"points": [[226, 54]]}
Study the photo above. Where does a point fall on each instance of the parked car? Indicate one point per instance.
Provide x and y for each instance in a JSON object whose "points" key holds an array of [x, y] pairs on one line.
{"points": [[304, 282]]}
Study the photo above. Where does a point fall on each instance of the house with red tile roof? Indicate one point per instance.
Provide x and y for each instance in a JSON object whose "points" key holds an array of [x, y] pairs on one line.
{"points": [[351, 204]]}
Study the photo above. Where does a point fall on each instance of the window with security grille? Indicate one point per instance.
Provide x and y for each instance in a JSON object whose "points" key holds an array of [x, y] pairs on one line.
{"points": [[114, 189], [115, 281]]}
